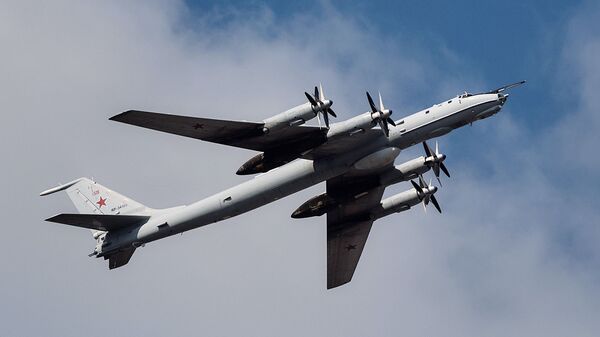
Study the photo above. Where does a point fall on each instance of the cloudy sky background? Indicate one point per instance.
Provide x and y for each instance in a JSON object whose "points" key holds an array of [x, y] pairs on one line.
{"points": [[516, 251]]}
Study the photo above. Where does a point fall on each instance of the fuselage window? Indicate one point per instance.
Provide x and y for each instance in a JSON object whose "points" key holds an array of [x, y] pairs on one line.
{"points": [[427, 111], [450, 101]]}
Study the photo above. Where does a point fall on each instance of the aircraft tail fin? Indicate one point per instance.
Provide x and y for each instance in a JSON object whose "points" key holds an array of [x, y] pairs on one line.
{"points": [[90, 197], [102, 210]]}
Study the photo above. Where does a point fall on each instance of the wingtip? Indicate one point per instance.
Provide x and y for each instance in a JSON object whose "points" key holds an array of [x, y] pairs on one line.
{"points": [[118, 116], [337, 285], [52, 218], [332, 284]]}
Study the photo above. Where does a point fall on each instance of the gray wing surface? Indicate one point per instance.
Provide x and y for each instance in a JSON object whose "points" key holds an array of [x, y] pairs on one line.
{"points": [[247, 135], [346, 143], [347, 226]]}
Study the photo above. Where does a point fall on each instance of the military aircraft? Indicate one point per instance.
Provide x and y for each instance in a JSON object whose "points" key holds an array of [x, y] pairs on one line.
{"points": [[354, 157]]}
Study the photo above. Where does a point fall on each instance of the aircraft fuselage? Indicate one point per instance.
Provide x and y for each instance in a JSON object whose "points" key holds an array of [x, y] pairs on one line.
{"points": [[303, 173]]}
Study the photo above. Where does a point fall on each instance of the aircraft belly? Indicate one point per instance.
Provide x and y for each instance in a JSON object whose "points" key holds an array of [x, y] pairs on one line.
{"points": [[242, 198], [377, 159]]}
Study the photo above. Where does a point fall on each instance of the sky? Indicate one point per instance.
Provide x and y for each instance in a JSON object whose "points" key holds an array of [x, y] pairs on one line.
{"points": [[515, 252]]}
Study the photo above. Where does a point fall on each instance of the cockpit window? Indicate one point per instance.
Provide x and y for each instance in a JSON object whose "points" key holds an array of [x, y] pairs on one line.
{"points": [[466, 94]]}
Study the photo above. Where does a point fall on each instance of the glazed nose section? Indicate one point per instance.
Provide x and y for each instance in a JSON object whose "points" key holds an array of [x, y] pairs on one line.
{"points": [[502, 98]]}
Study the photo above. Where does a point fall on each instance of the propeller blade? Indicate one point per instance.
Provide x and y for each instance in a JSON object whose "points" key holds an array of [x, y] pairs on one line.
{"points": [[435, 203], [438, 179], [443, 167], [317, 93], [437, 149], [426, 200], [391, 121], [427, 150], [322, 96], [310, 99], [436, 169], [371, 104], [330, 111], [381, 107], [418, 188], [325, 118], [421, 182], [384, 127]]}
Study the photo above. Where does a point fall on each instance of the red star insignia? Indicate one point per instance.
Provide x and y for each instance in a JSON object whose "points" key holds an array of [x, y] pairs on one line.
{"points": [[101, 202]]}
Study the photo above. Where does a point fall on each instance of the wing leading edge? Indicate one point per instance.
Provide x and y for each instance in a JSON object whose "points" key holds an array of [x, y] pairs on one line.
{"points": [[247, 135]]}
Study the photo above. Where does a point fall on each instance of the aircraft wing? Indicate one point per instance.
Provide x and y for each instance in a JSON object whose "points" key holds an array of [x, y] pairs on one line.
{"points": [[347, 226], [247, 135], [346, 143]]}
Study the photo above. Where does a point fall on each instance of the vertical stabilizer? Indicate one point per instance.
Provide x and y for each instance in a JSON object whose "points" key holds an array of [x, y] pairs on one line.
{"points": [[89, 197]]}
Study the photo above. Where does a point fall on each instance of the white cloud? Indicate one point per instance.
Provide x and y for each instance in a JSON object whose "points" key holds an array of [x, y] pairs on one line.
{"points": [[514, 254]]}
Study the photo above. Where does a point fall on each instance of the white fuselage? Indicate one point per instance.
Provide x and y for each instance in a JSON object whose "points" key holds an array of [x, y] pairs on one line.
{"points": [[303, 173]]}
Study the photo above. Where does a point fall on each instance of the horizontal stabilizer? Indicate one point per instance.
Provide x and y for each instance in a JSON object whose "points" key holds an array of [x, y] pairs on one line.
{"points": [[101, 222]]}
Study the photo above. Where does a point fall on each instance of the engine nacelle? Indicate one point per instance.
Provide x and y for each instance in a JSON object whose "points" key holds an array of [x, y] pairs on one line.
{"points": [[315, 206], [352, 126], [405, 171], [397, 203], [292, 117], [263, 162], [400, 202]]}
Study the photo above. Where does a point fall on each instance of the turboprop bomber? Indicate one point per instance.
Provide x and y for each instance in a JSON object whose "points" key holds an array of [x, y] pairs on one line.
{"points": [[355, 157]]}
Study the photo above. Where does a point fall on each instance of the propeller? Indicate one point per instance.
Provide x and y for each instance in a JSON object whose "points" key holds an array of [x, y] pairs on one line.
{"points": [[506, 87], [435, 160], [321, 105], [426, 196], [381, 115]]}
